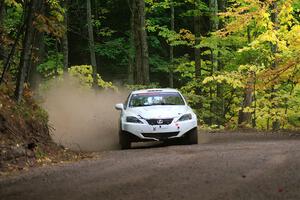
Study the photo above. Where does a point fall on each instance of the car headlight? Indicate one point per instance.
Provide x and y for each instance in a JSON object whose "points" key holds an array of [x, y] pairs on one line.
{"points": [[132, 119], [185, 117]]}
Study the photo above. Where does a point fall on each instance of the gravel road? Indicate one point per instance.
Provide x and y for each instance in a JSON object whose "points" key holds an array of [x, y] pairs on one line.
{"points": [[223, 166]]}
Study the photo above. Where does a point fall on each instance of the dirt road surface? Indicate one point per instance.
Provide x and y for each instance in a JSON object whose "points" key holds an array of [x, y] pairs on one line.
{"points": [[223, 166]]}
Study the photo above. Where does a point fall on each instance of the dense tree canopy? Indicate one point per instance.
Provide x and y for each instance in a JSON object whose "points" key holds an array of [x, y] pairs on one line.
{"points": [[237, 61]]}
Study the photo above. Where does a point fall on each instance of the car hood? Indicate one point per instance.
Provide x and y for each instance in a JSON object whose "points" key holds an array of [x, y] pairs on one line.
{"points": [[157, 112]]}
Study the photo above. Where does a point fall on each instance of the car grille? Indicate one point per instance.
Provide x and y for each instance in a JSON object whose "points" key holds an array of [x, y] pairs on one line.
{"points": [[160, 121], [160, 136]]}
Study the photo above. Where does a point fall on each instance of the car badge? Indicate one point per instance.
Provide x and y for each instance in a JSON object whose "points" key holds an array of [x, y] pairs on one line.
{"points": [[160, 121]]}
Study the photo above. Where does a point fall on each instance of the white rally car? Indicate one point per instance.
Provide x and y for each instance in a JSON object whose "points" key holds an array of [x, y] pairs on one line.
{"points": [[156, 114]]}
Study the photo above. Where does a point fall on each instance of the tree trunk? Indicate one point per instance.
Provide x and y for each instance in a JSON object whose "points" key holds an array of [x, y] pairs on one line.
{"points": [[2, 15], [92, 43], [131, 51], [274, 47], [141, 45], [171, 78], [138, 78], [65, 44], [214, 25], [245, 117], [220, 6], [145, 53], [2, 10], [254, 99], [38, 51], [197, 51], [214, 20], [26, 51], [9, 57]]}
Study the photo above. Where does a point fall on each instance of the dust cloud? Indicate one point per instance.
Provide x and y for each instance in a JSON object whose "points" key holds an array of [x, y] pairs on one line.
{"points": [[83, 119]]}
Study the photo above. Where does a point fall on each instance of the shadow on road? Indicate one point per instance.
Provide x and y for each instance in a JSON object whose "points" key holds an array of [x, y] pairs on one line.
{"points": [[218, 138]]}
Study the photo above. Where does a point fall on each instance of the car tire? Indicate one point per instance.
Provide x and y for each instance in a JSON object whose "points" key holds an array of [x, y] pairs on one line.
{"points": [[192, 136], [124, 140]]}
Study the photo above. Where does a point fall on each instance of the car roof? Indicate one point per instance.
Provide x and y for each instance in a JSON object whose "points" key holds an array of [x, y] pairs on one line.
{"points": [[154, 90]]}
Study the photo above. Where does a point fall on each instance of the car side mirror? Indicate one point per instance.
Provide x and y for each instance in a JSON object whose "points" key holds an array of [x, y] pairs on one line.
{"points": [[119, 106]]}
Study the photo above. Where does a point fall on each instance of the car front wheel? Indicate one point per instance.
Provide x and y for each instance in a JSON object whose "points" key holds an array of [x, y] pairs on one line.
{"points": [[124, 140], [192, 136]]}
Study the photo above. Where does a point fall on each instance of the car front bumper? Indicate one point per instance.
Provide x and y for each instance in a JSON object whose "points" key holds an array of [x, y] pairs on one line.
{"points": [[159, 132]]}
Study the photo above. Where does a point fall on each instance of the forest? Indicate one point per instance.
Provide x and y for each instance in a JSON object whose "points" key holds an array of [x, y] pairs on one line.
{"points": [[236, 61]]}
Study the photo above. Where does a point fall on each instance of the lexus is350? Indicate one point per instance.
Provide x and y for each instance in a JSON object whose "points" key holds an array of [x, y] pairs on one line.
{"points": [[156, 115]]}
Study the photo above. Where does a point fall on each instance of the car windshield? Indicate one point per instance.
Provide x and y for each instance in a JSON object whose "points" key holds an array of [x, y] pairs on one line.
{"points": [[156, 98]]}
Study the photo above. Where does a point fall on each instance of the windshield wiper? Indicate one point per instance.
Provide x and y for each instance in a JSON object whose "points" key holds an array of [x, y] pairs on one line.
{"points": [[169, 104], [139, 106]]}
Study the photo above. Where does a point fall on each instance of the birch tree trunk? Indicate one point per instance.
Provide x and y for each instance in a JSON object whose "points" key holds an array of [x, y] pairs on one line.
{"points": [[91, 43]]}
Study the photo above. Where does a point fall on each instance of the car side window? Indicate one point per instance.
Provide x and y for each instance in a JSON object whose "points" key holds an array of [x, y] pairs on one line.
{"points": [[126, 102]]}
